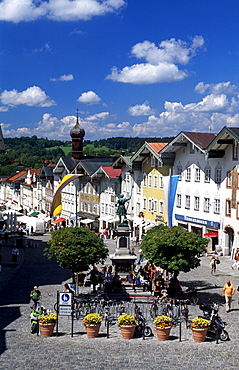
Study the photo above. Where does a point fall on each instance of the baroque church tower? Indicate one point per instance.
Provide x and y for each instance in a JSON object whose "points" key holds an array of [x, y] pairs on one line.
{"points": [[77, 134]]}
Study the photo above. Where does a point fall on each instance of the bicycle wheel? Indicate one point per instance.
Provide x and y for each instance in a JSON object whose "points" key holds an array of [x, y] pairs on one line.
{"points": [[147, 331], [153, 312], [194, 299]]}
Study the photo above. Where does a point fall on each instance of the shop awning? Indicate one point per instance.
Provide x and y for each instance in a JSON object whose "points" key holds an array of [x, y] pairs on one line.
{"points": [[58, 220], [212, 234], [74, 217], [86, 221], [33, 214]]}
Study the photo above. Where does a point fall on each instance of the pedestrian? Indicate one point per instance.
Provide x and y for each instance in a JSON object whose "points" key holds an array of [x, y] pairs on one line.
{"points": [[109, 277], [213, 263], [228, 291], [35, 297], [130, 278], [236, 258], [94, 278], [15, 253]]}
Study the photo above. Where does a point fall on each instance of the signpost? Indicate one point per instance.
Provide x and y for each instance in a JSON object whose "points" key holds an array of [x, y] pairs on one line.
{"points": [[64, 307]]}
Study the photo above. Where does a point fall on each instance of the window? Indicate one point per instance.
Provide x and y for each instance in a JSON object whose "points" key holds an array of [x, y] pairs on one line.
{"points": [[155, 206], [152, 161], [150, 181], [237, 211], [155, 181], [206, 204], [144, 204], [144, 179], [179, 200], [218, 175], [188, 174], [138, 187], [196, 203], [197, 174], [235, 152], [217, 206], [161, 182], [228, 207], [161, 207], [179, 171], [187, 201], [207, 174], [229, 179], [149, 205]]}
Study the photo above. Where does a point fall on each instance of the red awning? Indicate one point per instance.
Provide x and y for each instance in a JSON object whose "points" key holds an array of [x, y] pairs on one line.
{"points": [[213, 234], [59, 220]]}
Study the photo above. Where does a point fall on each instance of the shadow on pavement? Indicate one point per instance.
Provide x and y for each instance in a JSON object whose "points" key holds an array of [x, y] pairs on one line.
{"points": [[35, 270]]}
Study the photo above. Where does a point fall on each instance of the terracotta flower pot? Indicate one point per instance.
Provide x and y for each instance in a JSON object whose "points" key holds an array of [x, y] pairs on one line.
{"points": [[163, 333], [127, 331], [199, 335], [47, 329], [92, 331]]}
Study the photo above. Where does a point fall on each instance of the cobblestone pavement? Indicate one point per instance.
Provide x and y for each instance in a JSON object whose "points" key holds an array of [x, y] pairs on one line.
{"points": [[21, 350]]}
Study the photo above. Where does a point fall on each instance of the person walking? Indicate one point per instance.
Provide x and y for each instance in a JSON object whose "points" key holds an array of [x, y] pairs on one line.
{"points": [[15, 253], [213, 263], [228, 291], [35, 297]]}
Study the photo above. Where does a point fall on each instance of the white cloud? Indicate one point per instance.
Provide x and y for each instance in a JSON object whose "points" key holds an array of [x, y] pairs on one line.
{"points": [[141, 110], [59, 10], [89, 97], [220, 88], [68, 77], [212, 110], [33, 97], [98, 116], [161, 62], [207, 104]]}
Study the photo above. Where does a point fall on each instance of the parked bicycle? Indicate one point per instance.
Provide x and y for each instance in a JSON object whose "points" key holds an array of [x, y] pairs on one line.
{"points": [[141, 323]]}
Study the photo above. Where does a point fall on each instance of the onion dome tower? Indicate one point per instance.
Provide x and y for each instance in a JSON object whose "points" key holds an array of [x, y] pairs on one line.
{"points": [[77, 134]]}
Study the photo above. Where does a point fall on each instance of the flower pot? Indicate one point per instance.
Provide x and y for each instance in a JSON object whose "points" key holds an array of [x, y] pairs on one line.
{"points": [[127, 331], [47, 329], [163, 333], [92, 331], [199, 335]]}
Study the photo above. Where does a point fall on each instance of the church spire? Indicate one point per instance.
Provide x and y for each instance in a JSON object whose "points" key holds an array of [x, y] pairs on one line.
{"points": [[77, 134]]}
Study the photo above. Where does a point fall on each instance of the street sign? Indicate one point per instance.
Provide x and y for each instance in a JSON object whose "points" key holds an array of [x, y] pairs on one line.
{"points": [[65, 299], [65, 310]]}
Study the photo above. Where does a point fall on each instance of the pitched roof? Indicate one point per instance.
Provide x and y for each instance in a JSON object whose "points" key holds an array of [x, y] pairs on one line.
{"points": [[111, 172], [200, 139], [18, 175], [157, 147]]}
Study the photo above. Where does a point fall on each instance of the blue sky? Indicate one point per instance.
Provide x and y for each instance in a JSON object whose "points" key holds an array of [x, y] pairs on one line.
{"points": [[132, 68]]}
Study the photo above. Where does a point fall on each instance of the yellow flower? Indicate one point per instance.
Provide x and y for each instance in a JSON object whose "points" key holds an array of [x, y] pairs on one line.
{"points": [[126, 320], [163, 321], [200, 323], [92, 319]]}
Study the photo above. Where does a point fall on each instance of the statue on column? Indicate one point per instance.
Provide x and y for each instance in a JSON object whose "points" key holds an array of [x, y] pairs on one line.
{"points": [[121, 210]]}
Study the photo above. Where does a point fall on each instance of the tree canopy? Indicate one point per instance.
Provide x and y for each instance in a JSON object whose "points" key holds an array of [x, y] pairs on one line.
{"points": [[76, 248], [173, 249]]}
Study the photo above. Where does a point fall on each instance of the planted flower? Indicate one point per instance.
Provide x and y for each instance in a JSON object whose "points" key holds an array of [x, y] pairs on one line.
{"points": [[163, 321], [92, 319], [126, 320], [48, 319], [200, 323]]}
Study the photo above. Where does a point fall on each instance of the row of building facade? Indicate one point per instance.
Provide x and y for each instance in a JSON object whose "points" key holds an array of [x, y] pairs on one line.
{"points": [[191, 181]]}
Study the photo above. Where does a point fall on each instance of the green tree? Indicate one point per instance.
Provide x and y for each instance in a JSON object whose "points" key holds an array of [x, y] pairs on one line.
{"points": [[76, 248], [173, 249]]}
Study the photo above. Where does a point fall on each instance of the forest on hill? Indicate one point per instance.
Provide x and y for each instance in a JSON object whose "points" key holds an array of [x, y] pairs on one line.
{"points": [[33, 152]]}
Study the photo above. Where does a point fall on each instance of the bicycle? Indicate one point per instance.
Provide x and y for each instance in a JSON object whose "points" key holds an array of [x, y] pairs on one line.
{"points": [[141, 326]]}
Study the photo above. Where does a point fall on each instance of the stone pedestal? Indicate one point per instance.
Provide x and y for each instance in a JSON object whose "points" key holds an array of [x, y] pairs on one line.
{"points": [[122, 260]]}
